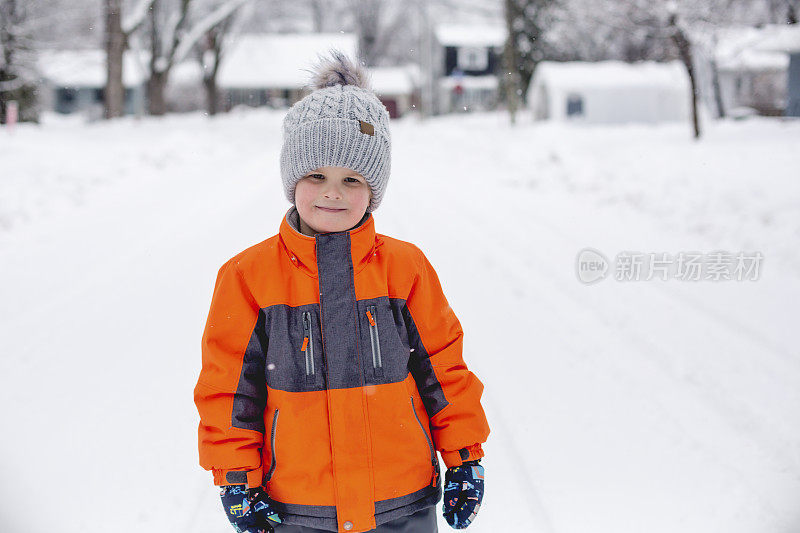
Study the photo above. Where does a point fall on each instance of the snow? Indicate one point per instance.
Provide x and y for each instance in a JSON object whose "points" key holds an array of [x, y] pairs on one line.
{"points": [[277, 60], [619, 407], [458, 34]]}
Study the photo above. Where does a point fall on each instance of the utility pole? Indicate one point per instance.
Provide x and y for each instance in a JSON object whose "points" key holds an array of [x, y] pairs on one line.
{"points": [[425, 60]]}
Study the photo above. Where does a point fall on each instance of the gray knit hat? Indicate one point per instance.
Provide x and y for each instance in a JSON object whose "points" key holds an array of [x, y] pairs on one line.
{"points": [[342, 123]]}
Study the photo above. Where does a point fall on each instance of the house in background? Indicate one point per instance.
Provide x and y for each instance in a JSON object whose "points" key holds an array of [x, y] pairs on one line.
{"points": [[466, 59], [268, 69], [72, 81], [786, 40], [749, 76], [274, 69], [257, 70], [610, 92]]}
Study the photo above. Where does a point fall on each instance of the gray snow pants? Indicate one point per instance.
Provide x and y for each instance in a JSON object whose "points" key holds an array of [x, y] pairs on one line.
{"points": [[423, 521]]}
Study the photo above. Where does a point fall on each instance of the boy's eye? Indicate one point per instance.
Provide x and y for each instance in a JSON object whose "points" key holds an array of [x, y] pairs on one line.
{"points": [[351, 180]]}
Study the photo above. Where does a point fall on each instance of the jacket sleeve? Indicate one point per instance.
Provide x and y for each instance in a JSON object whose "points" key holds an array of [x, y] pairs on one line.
{"points": [[450, 392], [230, 394]]}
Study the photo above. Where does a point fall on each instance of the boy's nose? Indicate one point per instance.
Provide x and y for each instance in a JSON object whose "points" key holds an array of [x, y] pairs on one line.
{"points": [[332, 192]]}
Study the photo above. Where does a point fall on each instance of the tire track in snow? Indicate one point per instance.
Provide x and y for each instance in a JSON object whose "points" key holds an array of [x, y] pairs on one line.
{"points": [[492, 247], [540, 519], [734, 414]]}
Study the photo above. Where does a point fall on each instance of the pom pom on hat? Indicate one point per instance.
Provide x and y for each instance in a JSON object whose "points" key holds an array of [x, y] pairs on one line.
{"points": [[339, 70]]}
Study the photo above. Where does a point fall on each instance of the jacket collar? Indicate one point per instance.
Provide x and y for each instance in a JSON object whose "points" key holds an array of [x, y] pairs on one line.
{"points": [[302, 248]]}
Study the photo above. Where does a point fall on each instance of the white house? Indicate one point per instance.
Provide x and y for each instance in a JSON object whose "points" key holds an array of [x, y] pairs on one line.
{"points": [[786, 40], [272, 69], [610, 92], [72, 81], [749, 76]]}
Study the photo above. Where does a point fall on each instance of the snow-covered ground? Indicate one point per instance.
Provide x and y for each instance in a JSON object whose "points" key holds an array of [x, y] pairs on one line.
{"points": [[619, 407]]}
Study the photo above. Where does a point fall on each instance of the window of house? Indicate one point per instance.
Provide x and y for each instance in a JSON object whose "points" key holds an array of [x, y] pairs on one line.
{"points": [[67, 95], [472, 58], [574, 105]]}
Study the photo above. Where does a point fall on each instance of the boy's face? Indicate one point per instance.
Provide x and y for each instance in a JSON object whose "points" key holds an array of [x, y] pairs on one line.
{"points": [[331, 199]]}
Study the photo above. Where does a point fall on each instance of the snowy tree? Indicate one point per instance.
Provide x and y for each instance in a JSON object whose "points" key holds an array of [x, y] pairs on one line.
{"points": [[530, 24], [279, 16], [526, 46], [18, 71], [658, 30], [588, 30], [768, 11], [211, 48], [114, 93], [172, 36], [690, 27], [26, 28], [378, 23], [328, 15], [117, 35]]}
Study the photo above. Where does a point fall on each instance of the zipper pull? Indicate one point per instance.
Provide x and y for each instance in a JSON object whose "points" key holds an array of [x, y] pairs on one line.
{"points": [[371, 320], [435, 477], [305, 344]]}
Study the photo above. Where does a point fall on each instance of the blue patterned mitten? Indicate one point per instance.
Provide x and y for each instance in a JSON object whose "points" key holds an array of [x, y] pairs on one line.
{"points": [[463, 492], [248, 510]]}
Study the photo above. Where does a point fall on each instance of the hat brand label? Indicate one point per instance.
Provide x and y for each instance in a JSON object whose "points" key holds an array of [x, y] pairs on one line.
{"points": [[366, 127]]}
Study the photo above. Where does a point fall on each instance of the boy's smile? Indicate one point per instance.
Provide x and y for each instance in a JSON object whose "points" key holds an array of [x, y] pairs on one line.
{"points": [[330, 199]]}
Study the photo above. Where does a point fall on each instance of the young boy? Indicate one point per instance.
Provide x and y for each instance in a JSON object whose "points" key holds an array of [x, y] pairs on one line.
{"points": [[332, 366]]}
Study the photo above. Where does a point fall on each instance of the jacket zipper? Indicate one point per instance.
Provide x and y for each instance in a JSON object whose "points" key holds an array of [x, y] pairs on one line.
{"points": [[435, 477], [372, 314], [308, 344], [272, 445]]}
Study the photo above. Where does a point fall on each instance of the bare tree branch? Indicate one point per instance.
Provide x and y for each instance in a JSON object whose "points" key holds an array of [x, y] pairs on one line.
{"points": [[136, 17], [189, 40]]}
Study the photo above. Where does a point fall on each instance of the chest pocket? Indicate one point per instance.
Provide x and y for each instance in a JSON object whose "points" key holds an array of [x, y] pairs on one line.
{"points": [[374, 340], [308, 347], [295, 361], [384, 340]]}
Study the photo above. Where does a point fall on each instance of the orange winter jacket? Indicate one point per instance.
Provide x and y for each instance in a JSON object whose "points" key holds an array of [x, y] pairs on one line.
{"points": [[332, 372]]}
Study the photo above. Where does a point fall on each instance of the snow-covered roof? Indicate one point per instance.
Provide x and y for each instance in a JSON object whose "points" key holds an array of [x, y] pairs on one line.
{"points": [[279, 60], [781, 38], [741, 48], [576, 75], [394, 80], [85, 68], [452, 34]]}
